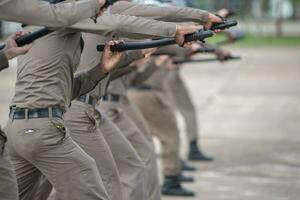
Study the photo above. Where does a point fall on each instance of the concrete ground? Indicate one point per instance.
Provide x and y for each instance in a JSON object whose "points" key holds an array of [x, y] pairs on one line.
{"points": [[250, 120]]}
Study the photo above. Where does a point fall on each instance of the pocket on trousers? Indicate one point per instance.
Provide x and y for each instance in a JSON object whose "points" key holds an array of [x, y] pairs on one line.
{"points": [[94, 118], [59, 125], [113, 114]]}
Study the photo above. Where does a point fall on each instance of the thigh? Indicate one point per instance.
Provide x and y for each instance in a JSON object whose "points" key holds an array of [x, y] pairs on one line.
{"points": [[119, 145], [70, 170], [137, 117], [8, 182]]}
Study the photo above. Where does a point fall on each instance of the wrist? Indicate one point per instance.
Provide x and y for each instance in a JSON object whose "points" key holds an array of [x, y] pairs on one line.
{"points": [[103, 68], [8, 54], [178, 29]]}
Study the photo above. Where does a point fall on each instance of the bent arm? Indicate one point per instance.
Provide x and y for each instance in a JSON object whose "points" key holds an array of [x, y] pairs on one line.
{"points": [[44, 14], [126, 26], [168, 13], [85, 81]]}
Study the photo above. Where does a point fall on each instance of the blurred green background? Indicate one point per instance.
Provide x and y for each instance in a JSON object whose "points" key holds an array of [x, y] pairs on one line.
{"points": [[265, 22]]}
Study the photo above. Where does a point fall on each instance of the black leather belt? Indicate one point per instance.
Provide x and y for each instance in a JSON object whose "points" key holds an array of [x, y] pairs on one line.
{"points": [[24, 113], [111, 97], [88, 99]]}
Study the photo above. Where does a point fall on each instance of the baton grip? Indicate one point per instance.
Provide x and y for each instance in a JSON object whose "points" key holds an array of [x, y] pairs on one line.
{"points": [[29, 38], [224, 25]]}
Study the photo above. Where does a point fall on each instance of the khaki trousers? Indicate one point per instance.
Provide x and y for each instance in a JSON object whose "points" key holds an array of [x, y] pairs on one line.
{"points": [[117, 112], [8, 181], [83, 122], [154, 105], [42, 146], [130, 166], [182, 102]]}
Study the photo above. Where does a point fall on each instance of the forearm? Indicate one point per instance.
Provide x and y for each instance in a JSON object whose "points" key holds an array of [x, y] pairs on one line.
{"points": [[42, 13], [129, 57], [168, 14], [140, 77], [127, 26], [124, 66], [122, 72], [3, 61], [86, 81]]}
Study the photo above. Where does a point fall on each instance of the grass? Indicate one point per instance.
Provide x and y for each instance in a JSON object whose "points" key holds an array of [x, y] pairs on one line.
{"points": [[257, 41]]}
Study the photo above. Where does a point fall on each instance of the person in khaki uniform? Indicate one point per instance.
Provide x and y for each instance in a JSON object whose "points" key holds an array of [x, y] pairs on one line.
{"points": [[84, 130], [44, 88], [92, 122], [161, 120], [181, 101], [105, 25], [8, 183], [114, 8], [60, 15], [116, 105], [73, 113]]}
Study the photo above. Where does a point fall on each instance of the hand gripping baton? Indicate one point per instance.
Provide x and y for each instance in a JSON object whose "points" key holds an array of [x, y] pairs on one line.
{"points": [[199, 35], [27, 39]]}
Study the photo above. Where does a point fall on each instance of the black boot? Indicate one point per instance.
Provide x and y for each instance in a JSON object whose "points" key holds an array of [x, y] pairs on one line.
{"points": [[186, 167], [172, 187], [185, 178], [195, 154]]}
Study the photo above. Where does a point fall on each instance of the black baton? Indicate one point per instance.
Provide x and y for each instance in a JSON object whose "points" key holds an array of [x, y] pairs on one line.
{"points": [[199, 35]]}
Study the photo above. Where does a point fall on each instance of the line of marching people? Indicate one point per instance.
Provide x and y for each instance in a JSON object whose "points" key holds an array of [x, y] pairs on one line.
{"points": [[81, 122]]}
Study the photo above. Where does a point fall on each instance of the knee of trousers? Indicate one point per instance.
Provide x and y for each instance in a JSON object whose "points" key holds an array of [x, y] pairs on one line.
{"points": [[136, 169], [149, 155], [89, 163]]}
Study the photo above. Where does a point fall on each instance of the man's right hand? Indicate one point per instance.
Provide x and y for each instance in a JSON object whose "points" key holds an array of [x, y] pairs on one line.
{"points": [[181, 31], [212, 19], [110, 58], [11, 48]]}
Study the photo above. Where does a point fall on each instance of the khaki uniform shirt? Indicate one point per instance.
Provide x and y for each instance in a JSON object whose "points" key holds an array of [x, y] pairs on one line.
{"points": [[154, 76], [45, 74], [37, 12], [3, 61], [90, 57]]}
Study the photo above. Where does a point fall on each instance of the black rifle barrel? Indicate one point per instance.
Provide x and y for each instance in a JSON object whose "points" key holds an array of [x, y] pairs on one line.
{"points": [[206, 60], [27, 39], [199, 35]]}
